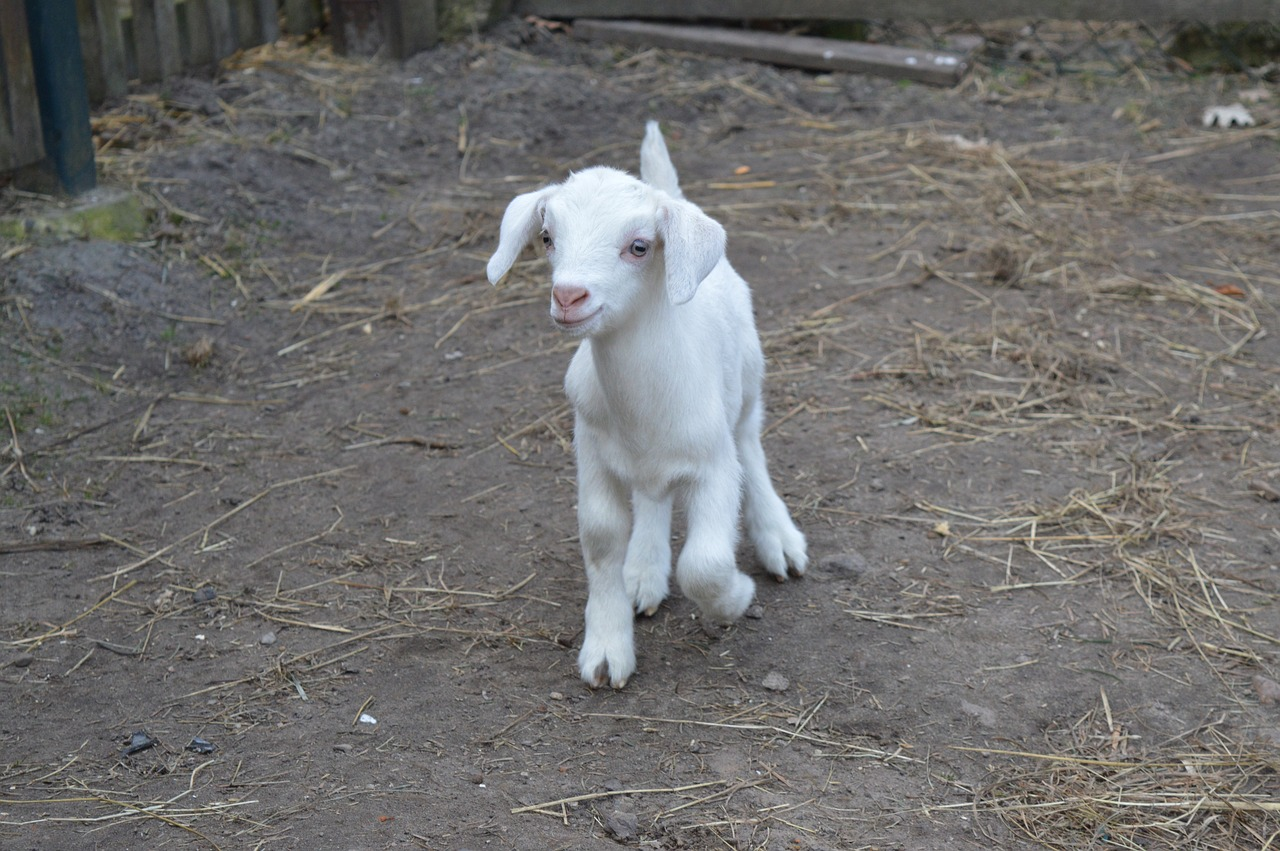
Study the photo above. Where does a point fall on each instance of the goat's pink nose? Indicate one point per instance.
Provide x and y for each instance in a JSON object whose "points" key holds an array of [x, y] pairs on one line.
{"points": [[567, 297]]}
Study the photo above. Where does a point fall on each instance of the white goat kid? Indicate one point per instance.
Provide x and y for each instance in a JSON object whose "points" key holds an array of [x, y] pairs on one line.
{"points": [[666, 389]]}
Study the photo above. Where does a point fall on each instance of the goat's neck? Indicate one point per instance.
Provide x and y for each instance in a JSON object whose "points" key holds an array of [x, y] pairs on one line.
{"points": [[635, 362]]}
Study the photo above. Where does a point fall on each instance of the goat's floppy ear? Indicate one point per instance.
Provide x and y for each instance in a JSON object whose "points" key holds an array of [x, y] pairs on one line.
{"points": [[521, 221], [693, 243]]}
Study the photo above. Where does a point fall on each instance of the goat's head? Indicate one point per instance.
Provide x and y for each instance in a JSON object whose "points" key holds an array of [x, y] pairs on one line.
{"points": [[613, 242]]}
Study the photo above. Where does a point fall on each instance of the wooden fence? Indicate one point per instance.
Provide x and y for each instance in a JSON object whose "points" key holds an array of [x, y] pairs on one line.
{"points": [[152, 40], [20, 137]]}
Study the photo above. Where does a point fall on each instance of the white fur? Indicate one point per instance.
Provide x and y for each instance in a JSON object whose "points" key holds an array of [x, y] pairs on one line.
{"points": [[666, 388]]}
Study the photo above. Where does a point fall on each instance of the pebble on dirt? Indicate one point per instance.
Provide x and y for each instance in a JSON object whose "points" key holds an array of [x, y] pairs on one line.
{"points": [[139, 741], [774, 681], [1268, 690], [199, 745], [622, 825]]}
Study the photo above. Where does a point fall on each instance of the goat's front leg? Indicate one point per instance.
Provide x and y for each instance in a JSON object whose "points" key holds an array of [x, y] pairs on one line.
{"points": [[608, 645], [647, 570], [706, 570]]}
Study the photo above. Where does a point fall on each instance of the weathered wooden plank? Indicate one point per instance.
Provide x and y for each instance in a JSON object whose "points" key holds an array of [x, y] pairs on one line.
{"points": [[1207, 11], [824, 54], [155, 39], [200, 50], [302, 16], [255, 22], [244, 17], [222, 31], [400, 27], [355, 26], [21, 141], [268, 21], [409, 26], [102, 47]]}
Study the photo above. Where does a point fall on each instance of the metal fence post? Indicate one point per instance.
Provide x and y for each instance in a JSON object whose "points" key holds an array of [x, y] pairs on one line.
{"points": [[62, 92]]}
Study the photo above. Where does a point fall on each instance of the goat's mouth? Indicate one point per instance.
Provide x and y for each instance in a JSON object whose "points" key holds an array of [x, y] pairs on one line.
{"points": [[575, 323]]}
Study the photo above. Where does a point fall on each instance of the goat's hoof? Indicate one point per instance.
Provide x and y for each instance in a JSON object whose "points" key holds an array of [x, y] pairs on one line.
{"points": [[600, 669], [646, 590], [782, 552], [600, 678]]}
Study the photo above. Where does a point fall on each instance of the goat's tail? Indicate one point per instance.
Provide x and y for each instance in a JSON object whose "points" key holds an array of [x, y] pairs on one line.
{"points": [[656, 168]]}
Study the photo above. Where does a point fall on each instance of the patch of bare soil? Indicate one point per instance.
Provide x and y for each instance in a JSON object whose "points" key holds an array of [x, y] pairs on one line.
{"points": [[288, 488]]}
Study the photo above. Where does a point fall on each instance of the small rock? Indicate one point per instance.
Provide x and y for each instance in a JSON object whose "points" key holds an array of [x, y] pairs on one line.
{"points": [[622, 825], [343, 748], [613, 784], [1268, 690], [202, 746], [204, 595], [268, 638], [138, 742], [754, 612], [477, 779], [23, 660], [556, 695], [774, 681]]}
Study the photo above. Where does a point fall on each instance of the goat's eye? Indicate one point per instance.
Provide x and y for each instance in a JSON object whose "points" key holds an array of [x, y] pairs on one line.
{"points": [[546, 239], [639, 248]]}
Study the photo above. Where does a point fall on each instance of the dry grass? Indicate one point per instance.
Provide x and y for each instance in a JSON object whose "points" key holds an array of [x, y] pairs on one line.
{"points": [[1101, 788]]}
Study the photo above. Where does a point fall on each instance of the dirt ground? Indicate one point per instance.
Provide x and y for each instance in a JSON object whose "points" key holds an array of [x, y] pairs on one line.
{"points": [[290, 478]]}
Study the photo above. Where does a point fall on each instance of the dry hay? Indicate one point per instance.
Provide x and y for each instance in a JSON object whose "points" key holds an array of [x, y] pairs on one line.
{"points": [[1100, 787]]}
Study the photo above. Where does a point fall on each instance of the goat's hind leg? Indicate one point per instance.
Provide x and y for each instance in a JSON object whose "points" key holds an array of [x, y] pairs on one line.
{"points": [[608, 646], [647, 570], [779, 544]]}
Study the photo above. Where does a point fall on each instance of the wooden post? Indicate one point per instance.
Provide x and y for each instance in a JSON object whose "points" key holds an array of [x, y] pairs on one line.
{"points": [[21, 141], [102, 46], [64, 98], [155, 36]]}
